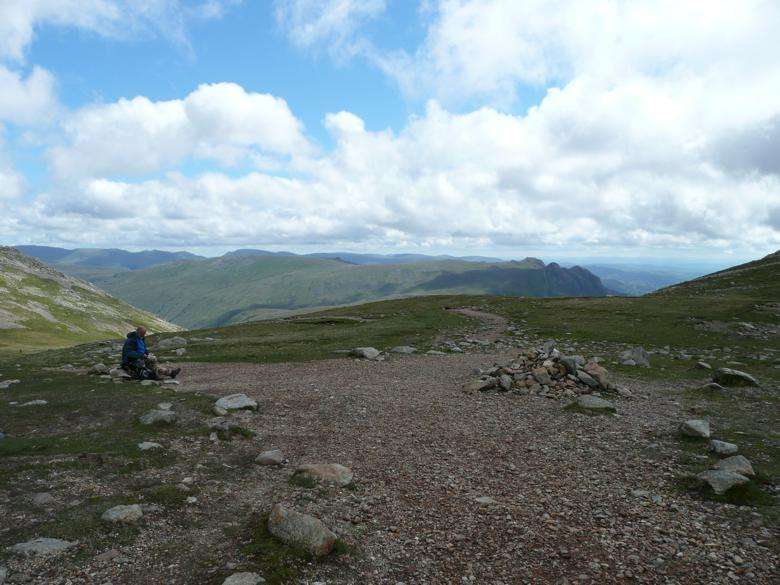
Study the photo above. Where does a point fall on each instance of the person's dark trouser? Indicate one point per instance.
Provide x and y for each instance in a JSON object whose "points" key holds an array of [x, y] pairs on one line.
{"points": [[139, 370]]}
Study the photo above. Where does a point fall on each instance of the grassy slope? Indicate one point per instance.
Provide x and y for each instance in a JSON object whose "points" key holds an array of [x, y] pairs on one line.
{"points": [[56, 311]]}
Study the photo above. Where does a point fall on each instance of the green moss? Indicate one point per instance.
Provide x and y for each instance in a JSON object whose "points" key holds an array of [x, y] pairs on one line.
{"points": [[166, 495]]}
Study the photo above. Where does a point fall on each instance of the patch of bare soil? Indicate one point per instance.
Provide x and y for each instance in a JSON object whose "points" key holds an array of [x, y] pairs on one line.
{"points": [[449, 487]]}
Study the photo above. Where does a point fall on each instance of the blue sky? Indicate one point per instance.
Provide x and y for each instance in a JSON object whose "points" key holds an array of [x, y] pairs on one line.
{"points": [[594, 128]]}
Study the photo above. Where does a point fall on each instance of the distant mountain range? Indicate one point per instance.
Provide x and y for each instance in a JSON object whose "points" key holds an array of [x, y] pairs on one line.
{"points": [[248, 284], [96, 264], [220, 291], [42, 307]]}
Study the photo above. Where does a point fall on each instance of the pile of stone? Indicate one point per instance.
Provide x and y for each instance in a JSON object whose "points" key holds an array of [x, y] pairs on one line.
{"points": [[546, 372]]}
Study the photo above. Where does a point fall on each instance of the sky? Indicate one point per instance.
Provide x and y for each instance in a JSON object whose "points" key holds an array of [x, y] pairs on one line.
{"points": [[553, 128]]}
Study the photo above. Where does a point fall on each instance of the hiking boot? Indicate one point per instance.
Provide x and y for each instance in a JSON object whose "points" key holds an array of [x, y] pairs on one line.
{"points": [[175, 372]]}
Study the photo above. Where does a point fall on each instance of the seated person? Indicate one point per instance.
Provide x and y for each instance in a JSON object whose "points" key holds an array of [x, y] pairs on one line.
{"points": [[139, 363]]}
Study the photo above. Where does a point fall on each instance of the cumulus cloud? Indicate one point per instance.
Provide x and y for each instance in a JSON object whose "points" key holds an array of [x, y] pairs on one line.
{"points": [[329, 23], [12, 183], [490, 49], [657, 129], [27, 100], [220, 121], [111, 18], [484, 178]]}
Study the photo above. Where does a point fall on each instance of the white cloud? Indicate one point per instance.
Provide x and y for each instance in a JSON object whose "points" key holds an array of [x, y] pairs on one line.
{"points": [[218, 121], [332, 23], [27, 100], [485, 179], [658, 129], [112, 18], [488, 49], [12, 183]]}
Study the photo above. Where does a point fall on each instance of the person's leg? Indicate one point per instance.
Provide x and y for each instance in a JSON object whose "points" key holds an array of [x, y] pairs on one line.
{"points": [[161, 371]]}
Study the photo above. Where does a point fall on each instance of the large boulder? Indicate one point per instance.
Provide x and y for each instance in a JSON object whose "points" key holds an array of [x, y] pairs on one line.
{"points": [[636, 356], [326, 472], [156, 416], [236, 402], [729, 377], [123, 514], [696, 428], [736, 464], [722, 481], [301, 530], [41, 546]]}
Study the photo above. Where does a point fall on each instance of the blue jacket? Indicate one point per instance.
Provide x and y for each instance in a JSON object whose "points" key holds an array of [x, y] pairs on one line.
{"points": [[133, 349]]}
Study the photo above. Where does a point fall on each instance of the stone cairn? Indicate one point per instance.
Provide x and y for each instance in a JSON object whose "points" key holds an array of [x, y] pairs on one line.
{"points": [[546, 372]]}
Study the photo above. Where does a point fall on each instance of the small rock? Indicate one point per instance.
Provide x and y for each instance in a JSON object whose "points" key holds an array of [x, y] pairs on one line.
{"points": [[736, 464], [598, 373], [300, 530], [149, 445], [243, 579], [236, 402], [326, 472], [98, 369], [180, 352], [271, 457], [165, 406], [35, 403], [587, 379], [43, 499], [480, 385], [729, 377], [123, 514], [595, 403], [637, 356], [714, 387], [721, 481], [696, 428], [541, 375], [171, 343], [157, 416], [403, 349], [505, 382], [722, 447], [109, 555], [703, 366], [41, 546], [486, 501], [369, 353]]}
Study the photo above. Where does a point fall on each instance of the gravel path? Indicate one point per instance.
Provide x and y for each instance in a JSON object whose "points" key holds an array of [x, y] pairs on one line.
{"points": [[423, 452]]}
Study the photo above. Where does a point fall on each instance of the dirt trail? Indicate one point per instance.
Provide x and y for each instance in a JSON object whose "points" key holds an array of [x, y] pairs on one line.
{"points": [[423, 452], [494, 325]]}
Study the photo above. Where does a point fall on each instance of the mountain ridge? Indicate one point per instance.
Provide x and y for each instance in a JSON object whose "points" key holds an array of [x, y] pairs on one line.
{"points": [[44, 307]]}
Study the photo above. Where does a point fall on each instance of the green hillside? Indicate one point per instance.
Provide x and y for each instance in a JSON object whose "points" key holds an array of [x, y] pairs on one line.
{"points": [[236, 289], [42, 307]]}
